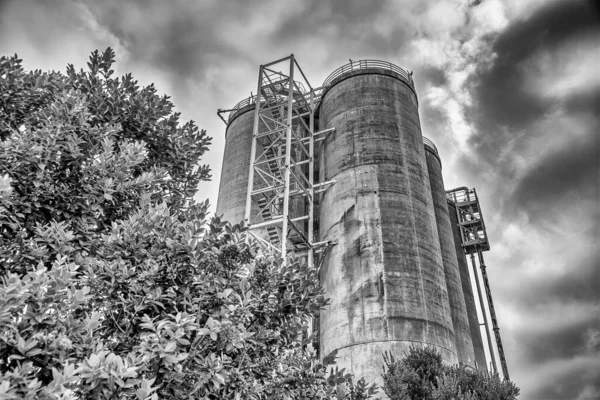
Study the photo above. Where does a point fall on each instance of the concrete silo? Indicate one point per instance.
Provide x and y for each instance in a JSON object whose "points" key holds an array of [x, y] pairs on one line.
{"points": [[236, 161], [458, 309], [341, 173], [384, 275]]}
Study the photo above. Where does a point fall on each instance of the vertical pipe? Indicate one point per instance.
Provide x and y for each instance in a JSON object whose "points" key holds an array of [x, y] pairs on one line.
{"points": [[311, 180], [488, 293], [484, 314], [253, 150], [311, 191], [288, 154]]}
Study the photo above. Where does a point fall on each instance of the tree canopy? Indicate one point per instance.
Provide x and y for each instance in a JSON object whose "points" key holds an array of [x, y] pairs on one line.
{"points": [[421, 375], [114, 283]]}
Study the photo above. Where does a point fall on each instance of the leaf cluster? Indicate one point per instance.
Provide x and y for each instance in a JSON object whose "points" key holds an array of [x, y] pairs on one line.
{"points": [[81, 149], [114, 284], [421, 375]]}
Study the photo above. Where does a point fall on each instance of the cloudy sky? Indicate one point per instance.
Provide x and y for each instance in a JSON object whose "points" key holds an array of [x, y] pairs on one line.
{"points": [[509, 91]]}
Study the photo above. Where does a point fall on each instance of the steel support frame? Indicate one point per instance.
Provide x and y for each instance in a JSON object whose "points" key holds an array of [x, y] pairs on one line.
{"points": [[468, 213], [495, 327], [283, 169], [485, 323]]}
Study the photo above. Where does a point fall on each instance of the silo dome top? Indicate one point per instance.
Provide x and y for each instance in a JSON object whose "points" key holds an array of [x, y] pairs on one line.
{"points": [[428, 144], [359, 65]]}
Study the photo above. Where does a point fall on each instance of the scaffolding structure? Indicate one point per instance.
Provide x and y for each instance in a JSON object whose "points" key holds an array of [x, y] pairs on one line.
{"points": [[475, 241], [281, 184]]}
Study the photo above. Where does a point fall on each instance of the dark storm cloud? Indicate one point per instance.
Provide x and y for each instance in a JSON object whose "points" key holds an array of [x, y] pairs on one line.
{"points": [[577, 284], [502, 96], [180, 38], [350, 26], [584, 102], [560, 179], [43, 23], [433, 75], [506, 110], [573, 335], [561, 343], [434, 118], [189, 39], [576, 382], [186, 38]]}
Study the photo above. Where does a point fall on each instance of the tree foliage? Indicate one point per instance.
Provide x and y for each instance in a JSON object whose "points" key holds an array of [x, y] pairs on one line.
{"points": [[421, 375], [114, 283]]}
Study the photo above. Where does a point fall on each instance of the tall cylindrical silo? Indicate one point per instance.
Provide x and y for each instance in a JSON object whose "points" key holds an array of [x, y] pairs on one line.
{"points": [[463, 268], [384, 273], [458, 309], [236, 164]]}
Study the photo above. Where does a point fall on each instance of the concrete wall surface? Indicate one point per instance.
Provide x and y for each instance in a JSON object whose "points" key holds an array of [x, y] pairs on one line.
{"points": [[458, 308], [236, 167], [384, 275]]}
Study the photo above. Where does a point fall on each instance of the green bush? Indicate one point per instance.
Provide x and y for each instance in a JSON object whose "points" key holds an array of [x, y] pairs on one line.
{"points": [[421, 375], [114, 284]]}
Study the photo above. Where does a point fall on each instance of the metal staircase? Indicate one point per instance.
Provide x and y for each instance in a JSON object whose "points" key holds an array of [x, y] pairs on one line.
{"points": [[281, 179], [281, 193]]}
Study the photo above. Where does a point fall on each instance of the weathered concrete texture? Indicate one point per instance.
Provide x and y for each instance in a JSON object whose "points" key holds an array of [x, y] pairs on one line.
{"points": [[463, 268], [458, 309], [384, 276], [236, 167]]}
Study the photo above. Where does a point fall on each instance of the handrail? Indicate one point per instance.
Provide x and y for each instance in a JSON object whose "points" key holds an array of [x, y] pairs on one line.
{"points": [[429, 143], [250, 101], [365, 64], [246, 102], [460, 194], [352, 66], [233, 111]]}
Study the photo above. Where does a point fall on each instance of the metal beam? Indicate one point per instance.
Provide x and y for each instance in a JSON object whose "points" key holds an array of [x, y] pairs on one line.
{"points": [[264, 242], [495, 327], [280, 60], [264, 224], [311, 177], [484, 314], [288, 154]]}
